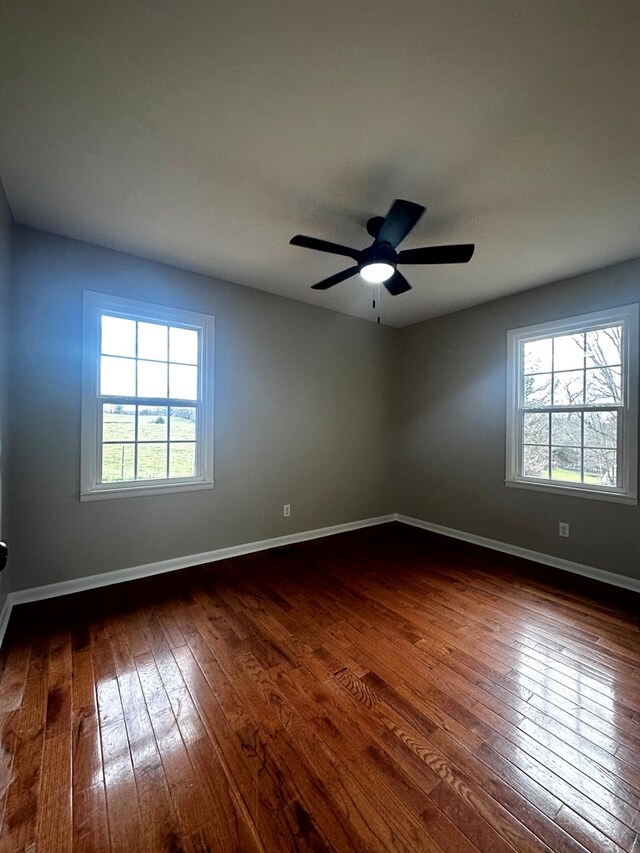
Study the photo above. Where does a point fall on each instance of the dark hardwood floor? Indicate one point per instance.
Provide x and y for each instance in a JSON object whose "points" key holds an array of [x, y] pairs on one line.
{"points": [[378, 690]]}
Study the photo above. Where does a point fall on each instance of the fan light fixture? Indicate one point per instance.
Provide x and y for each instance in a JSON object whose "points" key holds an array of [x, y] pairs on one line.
{"points": [[376, 272]]}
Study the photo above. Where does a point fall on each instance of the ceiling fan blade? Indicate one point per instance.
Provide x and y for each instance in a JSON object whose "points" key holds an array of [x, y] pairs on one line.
{"points": [[334, 279], [401, 218], [323, 246], [397, 284], [438, 255]]}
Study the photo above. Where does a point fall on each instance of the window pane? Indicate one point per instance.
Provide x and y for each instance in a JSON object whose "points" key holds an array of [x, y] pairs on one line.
{"points": [[152, 341], [604, 346], [182, 460], [537, 356], [566, 464], [117, 376], [568, 388], [118, 336], [568, 352], [183, 345], [152, 461], [118, 422], [118, 462], [536, 428], [600, 467], [183, 382], [536, 462], [601, 429], [152, 424], [537, 390], [566, 428], [152, 379], [183, 424], [603, 385]]}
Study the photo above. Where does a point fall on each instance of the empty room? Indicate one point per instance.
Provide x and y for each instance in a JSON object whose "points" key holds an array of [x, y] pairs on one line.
{"points": [[319, 368]]}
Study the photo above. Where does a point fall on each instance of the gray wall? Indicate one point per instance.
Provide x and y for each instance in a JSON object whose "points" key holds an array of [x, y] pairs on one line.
{"points": [[303, 409], [339, 417], [5, 246], [452, 428]]}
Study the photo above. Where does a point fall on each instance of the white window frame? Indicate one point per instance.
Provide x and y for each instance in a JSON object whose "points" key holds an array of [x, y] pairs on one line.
{"points": [[627, 491], [94, 306]]}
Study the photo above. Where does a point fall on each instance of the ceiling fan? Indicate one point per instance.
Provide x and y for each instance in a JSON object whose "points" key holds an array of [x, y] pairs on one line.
{"points": [[378, 263]]}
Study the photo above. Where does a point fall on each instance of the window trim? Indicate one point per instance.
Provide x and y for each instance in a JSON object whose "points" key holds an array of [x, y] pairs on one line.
{"points": [[94, 304], [626, 315]]}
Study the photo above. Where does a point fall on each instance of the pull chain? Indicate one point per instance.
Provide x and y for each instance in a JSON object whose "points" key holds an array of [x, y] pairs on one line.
{"points": [[376, 301]]}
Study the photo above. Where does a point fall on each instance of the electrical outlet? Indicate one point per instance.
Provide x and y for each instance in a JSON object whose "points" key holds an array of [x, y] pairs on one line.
{"points": [[563, 529], [286, 511]]}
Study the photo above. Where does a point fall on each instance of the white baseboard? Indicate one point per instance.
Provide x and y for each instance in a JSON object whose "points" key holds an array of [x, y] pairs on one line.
{"points": [[38, 593], [5, 613], [535, 556]]}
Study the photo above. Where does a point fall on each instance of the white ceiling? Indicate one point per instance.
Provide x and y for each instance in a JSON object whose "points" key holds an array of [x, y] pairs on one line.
{"points": [[206, 134]]}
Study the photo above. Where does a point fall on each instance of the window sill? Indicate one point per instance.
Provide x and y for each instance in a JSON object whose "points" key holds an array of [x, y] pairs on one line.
{"points": [[573, 491], [141, 491]]}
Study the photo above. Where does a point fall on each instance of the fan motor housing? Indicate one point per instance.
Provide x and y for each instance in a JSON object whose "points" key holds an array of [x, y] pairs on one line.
{"points": [[374, 225]]}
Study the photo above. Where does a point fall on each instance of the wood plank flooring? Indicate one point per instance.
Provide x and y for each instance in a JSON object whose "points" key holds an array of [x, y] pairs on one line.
{"points": [[378, 690]]}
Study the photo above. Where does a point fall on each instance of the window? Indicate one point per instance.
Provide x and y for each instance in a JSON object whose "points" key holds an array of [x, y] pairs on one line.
{"points": [[572, 406], [147, 408]]}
